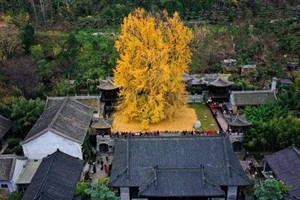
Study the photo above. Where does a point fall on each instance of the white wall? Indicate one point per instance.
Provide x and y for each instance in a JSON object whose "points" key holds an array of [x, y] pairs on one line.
{"points": [[232, 192], [125, 193], [231, 99], [10, 185], [20, 163], [48, 143]]}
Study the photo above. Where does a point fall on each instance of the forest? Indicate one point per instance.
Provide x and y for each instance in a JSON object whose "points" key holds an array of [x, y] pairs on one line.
{"points": [[66, 47]]}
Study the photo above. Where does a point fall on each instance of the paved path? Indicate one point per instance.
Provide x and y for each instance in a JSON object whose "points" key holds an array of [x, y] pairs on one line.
{"points": [[101, 173], [222, 121]]}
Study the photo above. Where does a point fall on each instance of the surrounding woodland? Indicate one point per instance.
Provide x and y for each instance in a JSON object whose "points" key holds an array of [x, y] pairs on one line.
{"points": [[66, 47]]}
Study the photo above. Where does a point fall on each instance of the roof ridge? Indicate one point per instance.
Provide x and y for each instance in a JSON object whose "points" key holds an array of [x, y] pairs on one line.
{"points": [[236, 171], [145, 183], [295, 149], [1, 116], [58, 112], [77, 101], [45, 177], [251, 91], [12, 168], [53, 99], [226, 155], [127, 157], [206, 179]]}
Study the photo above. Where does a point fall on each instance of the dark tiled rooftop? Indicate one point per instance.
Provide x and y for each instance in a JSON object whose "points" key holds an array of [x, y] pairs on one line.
{"points": [[56, 178], [285, 164], [176, 157], [69, 118]]}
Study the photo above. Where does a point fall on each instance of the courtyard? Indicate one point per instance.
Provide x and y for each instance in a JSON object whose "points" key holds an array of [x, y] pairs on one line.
{"points": [[184, 121]]}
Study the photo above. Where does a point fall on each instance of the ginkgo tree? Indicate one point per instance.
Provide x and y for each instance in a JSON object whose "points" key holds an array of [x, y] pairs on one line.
{"points": [[153, 56]]}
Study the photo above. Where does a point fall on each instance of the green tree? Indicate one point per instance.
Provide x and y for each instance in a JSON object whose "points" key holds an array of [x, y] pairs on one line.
{"points": [[27, 36], [25, 113], [269, 190], [99, 191], [14, 196], [79, 190], [266, 112]]}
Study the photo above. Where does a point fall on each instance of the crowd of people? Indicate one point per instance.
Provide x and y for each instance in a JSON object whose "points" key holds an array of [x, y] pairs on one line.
{"points": [[159, 133]]}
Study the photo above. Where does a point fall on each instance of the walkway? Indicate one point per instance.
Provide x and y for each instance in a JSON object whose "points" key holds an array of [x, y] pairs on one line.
{"points": [[107, 160], [221, 120]]}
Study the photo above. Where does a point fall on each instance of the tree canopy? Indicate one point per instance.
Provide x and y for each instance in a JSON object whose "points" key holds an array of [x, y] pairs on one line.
{"points": [[269, 190], [154, 54]]}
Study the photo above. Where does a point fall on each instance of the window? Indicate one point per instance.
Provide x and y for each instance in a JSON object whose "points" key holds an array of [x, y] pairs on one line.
{"points": [[4, 186]]}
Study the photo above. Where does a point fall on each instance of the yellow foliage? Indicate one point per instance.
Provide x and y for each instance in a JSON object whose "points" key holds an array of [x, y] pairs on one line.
{"points": [[154, 54], [235, 2], [8, 100]]}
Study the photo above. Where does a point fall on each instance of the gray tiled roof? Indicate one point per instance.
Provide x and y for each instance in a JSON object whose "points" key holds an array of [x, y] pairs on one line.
{"points": [[101, 123], [5, 125], [254, 97], [69, 118], [192, 161], [285, 164], [239, 120], [7, 165], [55, 178], [221, 82], [107, 84], [90, 101]]}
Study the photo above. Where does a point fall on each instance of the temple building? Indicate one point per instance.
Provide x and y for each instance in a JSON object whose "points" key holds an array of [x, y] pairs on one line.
{"points": [[242, 99], [201, 167], [219, 89], [101, 130], [238, 123], [108, 95]]}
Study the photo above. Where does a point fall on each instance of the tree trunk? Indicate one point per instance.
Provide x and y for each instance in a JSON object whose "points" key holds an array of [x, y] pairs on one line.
{"points": [[42, 3], [34, 11]]}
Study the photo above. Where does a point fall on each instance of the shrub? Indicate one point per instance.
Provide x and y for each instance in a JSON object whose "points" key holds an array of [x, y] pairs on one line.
{"points": [[7, 151], [18, 150], [13, 142], [15, 196]]}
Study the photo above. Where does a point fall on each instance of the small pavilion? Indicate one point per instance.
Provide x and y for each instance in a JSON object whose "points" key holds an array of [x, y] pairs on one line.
{"points": [[236, 126], [219, 89], [109, 95], [238, 123]]}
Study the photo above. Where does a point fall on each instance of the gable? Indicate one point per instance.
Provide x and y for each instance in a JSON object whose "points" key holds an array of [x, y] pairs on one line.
{"points": [[68, 118], [48, 143]]}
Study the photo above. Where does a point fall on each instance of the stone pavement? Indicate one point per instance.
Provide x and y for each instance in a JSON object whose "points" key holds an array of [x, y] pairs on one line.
{"points": [[107, 160], [222, 121]]}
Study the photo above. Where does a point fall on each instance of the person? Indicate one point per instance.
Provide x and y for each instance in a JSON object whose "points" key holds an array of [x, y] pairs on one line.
{"points": [[101, 164], [94, 168], [105, 168]]}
